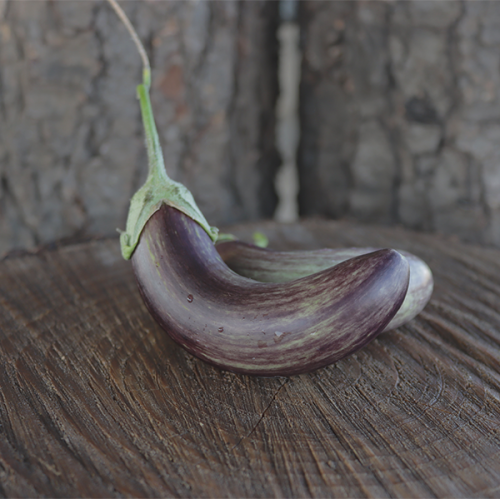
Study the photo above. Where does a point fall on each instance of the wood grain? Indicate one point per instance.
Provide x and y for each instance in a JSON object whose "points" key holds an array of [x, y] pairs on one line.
{"points": [[96, 401]]}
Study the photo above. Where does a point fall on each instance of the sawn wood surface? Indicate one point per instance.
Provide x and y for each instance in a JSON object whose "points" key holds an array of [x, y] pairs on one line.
{"points": [[97, 401]]}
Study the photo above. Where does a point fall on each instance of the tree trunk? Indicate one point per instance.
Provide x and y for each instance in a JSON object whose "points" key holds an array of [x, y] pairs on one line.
{"points": [[71, 140], [400, 114]]}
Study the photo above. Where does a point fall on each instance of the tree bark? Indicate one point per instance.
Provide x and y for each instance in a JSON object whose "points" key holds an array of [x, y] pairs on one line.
{"points": [[400, 114], [71, 140]]}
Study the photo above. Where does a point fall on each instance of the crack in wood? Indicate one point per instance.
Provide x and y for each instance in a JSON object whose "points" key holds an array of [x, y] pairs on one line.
{"points": [[261, 416]]}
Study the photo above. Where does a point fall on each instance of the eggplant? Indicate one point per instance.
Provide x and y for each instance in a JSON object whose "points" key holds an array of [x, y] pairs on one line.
{"points": [[256, 328], [271, 266], [234, 322]]}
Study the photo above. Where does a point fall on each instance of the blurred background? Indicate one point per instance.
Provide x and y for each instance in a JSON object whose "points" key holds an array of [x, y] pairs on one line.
{"points": [[384, 112]]}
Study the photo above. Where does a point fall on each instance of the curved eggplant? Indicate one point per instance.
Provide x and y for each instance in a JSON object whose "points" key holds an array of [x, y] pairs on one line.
{"points": [[271, 266], [258, 328], [231, 321]]}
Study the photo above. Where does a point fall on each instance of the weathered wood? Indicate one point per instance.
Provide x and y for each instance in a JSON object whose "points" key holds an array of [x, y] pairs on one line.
{"points": [[95, 400], [400, 114], [71, 140]]}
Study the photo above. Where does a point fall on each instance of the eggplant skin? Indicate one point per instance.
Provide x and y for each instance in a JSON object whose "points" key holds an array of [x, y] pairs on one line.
{"points": [[271, 266], [267, 329]]}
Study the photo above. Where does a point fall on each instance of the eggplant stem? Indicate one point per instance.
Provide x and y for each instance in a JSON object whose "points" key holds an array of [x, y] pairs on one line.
{"points": [[146, 71], [159, 188], [155, 156], [157, 171]]}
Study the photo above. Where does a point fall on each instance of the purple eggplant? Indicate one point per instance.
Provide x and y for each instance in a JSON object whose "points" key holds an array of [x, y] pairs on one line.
{"points": [[270, 266], [256, 328], [234, 322]]}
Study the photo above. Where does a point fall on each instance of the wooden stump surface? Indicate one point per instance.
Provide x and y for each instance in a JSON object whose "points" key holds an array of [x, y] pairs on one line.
{"points": [[97, 401]]}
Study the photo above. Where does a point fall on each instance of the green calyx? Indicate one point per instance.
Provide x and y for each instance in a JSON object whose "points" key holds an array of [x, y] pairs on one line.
{"points": [[260, 239], [222, 237], [159, 188]]}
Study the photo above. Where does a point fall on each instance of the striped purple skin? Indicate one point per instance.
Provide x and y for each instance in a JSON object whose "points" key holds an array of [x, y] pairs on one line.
{"points": [[258, 328], [270, 266]]}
